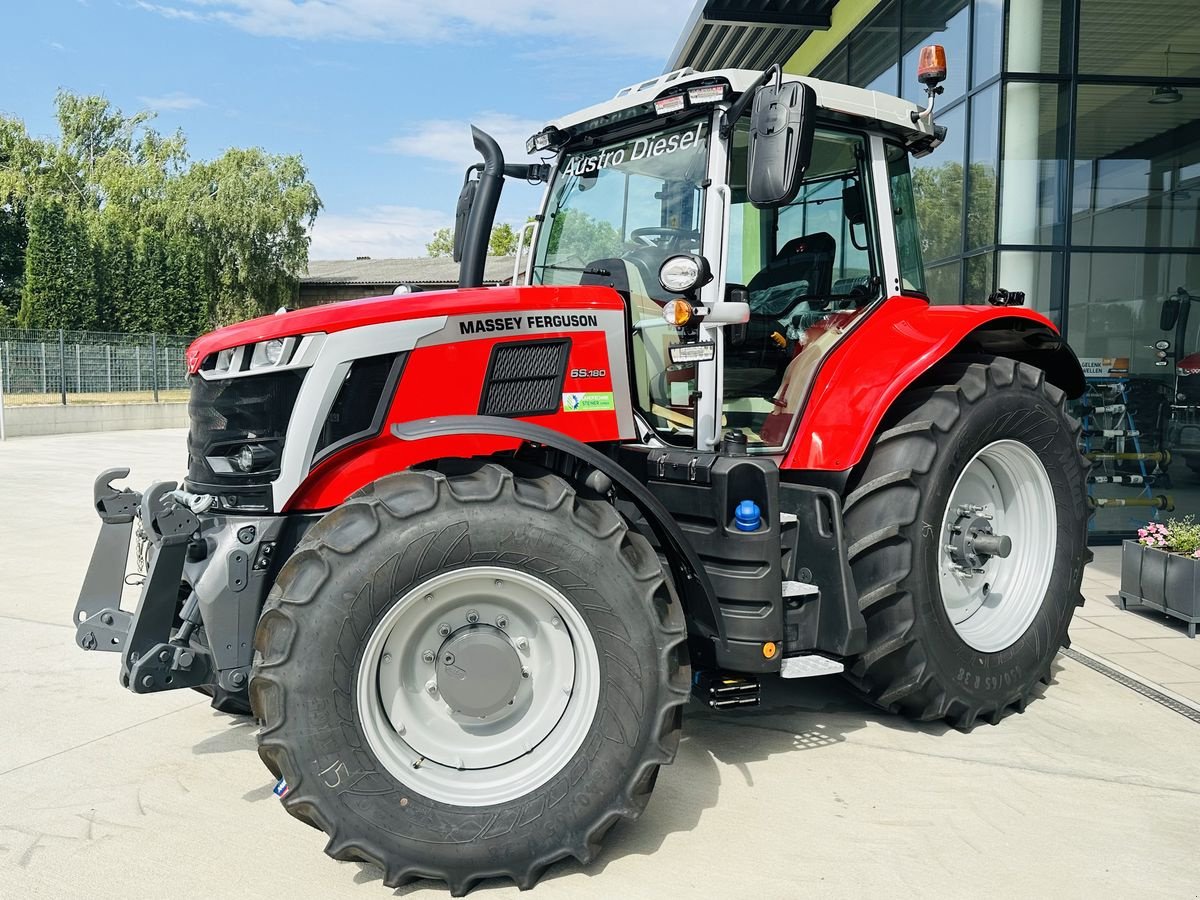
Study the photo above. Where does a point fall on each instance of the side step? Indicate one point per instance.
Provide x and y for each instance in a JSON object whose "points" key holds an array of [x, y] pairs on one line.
{"points": [[809, 666], [725, 690]]}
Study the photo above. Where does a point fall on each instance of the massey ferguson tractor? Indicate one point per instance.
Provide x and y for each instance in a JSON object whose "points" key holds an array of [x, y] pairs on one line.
{"points": [[466, 555]]}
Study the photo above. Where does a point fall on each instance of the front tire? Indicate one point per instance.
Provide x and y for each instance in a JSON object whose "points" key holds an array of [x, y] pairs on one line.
{"points": [[491, 746], [954, 634]]}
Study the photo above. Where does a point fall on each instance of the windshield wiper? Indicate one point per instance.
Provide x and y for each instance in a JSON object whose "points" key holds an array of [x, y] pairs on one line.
{"points": [[603, 273]]}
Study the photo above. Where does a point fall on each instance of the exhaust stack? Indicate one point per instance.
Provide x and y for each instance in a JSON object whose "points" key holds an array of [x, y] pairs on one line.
{"points": [[482, 212]]}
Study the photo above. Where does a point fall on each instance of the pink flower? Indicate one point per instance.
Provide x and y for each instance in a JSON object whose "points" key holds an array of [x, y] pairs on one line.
{"points": [[1142, 532], [1196, 553]]}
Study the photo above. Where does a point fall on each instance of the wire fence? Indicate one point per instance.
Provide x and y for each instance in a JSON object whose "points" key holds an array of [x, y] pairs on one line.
{"points": [[40, 367]]}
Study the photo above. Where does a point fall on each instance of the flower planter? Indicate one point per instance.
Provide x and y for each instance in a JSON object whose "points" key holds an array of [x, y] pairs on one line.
{"points": [[1160, 580]]}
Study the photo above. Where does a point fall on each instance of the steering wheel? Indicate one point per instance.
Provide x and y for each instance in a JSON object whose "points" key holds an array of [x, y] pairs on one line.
{"points": [[671, 237]]}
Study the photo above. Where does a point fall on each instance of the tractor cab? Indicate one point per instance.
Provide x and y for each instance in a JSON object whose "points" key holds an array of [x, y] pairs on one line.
{"points": [[745, 237]]}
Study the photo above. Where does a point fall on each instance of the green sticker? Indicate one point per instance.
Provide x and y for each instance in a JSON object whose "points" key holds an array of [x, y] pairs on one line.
{"points": [[590, 401]]}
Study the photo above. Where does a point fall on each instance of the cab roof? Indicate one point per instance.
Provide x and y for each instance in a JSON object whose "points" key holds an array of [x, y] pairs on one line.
{"points": [[892, 113]]}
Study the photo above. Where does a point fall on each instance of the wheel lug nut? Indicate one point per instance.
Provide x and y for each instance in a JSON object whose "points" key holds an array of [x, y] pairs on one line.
{"points": [[499, 583], [427, 656], [431, 687], [522, 644], [524, 671], [387, 657], [472, 616], [501, 621], [443, 629], [448, 659], [556, 622]]}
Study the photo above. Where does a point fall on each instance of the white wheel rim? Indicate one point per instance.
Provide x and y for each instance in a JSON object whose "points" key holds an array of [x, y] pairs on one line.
{"points": [[404, 702], [993, 604]]}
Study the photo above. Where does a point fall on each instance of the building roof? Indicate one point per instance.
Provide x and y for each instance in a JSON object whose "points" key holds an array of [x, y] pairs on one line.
{"points": [[750, 34], [420, 270]]}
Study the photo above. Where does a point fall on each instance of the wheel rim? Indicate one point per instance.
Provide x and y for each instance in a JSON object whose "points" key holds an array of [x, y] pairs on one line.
{"points": [[478, 686], [990, 598]]}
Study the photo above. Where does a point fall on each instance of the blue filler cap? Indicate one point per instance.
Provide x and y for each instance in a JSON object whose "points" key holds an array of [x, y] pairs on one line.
{"points": [[747, 516]]}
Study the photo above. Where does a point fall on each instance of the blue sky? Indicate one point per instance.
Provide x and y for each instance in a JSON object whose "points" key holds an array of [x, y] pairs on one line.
{"points": [[375, 94]]}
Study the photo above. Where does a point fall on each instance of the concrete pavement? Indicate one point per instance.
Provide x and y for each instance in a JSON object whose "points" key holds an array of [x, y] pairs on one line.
{"points": [[1095, 789]]}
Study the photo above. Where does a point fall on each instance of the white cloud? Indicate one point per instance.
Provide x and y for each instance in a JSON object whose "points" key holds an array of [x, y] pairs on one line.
{"points": [[631, 27], [175, 100], [55, 45], [377, 231], [449, 140]]}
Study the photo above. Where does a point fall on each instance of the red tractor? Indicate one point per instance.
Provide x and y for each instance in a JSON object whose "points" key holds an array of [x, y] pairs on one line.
{"points": [[467, 554]]}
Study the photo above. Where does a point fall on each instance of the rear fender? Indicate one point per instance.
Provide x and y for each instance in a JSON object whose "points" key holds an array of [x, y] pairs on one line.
{"points": [[896, 345]]}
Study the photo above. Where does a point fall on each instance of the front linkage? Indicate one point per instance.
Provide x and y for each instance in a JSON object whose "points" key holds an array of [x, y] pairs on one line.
{"points": [[207, 577]]}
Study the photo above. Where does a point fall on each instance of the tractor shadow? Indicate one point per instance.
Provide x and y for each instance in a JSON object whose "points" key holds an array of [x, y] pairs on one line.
{"points": [[795, 716]]}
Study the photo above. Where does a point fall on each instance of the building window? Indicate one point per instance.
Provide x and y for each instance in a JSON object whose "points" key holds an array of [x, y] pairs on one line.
{"points": [[983, 170], [988, 40], [1034, 170], [936, 22], [1137, 168], [1039, 274], [875, 52], [1119, 38], [1035, 29]]}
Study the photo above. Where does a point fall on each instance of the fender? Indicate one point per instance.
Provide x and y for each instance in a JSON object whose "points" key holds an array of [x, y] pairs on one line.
{"points": [[893, 347], [691, 579]]}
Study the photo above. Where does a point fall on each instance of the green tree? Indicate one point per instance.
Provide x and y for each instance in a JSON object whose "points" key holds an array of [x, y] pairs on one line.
{"points": [[151, 238], [442, 243], [575, 235], [60, 276], [503, 241], [14, 234]]}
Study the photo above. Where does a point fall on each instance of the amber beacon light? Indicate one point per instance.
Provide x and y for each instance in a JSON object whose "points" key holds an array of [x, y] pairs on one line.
{"points": [[931, 65]]}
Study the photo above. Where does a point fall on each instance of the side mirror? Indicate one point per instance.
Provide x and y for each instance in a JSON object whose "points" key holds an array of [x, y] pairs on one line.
{"points": [[1169, 314], [462, 212], [781, 139]]}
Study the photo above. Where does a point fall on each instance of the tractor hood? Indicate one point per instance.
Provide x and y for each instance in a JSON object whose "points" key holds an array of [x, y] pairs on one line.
{"points": [[334, 317]]}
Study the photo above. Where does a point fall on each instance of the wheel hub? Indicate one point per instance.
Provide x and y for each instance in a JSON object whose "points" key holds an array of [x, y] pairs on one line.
{"points": [[972, 542], [996, 549], [478, 671]]}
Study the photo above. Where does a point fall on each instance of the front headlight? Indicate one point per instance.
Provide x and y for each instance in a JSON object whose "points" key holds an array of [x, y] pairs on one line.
{"points": [[680, 274], [266, 353], [253, 458]]}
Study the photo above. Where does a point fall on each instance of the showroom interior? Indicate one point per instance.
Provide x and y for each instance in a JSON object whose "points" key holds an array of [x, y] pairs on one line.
{"points": [[1071, 171]]}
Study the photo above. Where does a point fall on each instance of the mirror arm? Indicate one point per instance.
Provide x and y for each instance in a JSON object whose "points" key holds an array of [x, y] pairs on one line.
{"points": [[931, 91], [735, 112], [538, 173]]}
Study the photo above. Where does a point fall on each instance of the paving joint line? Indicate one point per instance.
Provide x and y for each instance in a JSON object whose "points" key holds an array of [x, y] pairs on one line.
{"points": [[1148, 689]]}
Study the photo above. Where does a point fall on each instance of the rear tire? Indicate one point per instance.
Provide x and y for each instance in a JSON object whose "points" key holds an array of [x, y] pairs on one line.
{"points": [[925, 659], [340, 602]]}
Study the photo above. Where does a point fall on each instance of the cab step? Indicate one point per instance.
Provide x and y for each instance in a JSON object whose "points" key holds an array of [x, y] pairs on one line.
{"points": [[725, 690]]}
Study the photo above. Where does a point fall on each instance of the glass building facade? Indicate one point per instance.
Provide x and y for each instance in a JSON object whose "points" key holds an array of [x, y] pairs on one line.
{"points": [[1071, 172]]}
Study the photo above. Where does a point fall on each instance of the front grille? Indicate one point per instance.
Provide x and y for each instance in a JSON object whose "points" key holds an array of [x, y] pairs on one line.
{"points": [[231, 413], [525, 378]]}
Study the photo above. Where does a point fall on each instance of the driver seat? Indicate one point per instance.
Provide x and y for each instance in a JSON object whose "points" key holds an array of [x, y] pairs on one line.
{"points": [[809, 259]]}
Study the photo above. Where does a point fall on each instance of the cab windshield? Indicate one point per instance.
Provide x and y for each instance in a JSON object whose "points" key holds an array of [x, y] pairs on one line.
{"points": [[616, 211]]}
